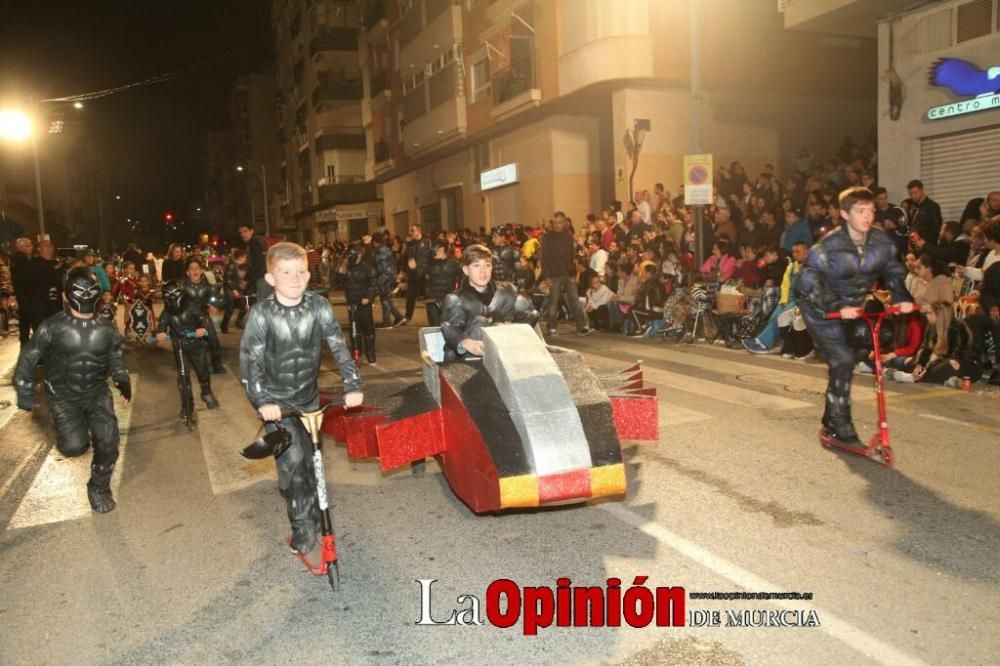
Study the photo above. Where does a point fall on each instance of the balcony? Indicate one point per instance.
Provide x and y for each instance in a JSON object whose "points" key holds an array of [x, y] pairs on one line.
{"points": [[376, 15], [340, 142], [381, 151], [383, 158], [331, 92], [345, 193], [380, 83], [436, 127], [514, 90], [333, 39], [850, 18]]}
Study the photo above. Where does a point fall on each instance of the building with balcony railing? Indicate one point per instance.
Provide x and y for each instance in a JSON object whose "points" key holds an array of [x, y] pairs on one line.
{"points": [[457, 89], [322, 176]]}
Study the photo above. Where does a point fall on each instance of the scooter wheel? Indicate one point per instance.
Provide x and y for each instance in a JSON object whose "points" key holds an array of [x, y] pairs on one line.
{"points": [[333, 576], [888, 457]]}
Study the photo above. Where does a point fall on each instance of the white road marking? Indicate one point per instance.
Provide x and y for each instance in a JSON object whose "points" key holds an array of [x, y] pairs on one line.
{"points": [[718, 391], [862, 388], [59, 490], [223, 433], [836, 627]]}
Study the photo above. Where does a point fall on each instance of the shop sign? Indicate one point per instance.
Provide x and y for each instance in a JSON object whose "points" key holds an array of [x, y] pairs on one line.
{"points": [[964, 79], [504, 175]]}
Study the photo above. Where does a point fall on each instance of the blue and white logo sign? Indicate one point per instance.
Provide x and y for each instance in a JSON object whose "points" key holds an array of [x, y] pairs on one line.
{"points": [[965, 79]]}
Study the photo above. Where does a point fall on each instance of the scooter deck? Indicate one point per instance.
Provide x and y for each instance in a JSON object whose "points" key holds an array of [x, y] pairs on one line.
{"points": [[875, 450]]}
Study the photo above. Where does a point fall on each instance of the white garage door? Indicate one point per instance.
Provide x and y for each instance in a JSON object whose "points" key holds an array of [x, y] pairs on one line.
{"points": [[959, 167]]}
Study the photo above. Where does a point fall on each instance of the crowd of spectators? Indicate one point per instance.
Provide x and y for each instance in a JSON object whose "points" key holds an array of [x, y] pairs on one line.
{"points": [[630, 269]]}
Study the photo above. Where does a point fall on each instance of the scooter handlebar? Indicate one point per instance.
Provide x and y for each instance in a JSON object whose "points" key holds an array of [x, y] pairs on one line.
{"points": [[889, 310]]}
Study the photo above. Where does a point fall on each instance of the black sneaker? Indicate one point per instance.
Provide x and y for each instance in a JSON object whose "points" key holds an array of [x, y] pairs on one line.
{"points": [[303, 538], [210, 401], [400, 322], [586, 330]]}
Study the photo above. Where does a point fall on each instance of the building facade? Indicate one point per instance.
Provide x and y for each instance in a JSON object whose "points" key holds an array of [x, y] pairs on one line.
{"points": [[323, 193], [947, 135], [484, 112]]}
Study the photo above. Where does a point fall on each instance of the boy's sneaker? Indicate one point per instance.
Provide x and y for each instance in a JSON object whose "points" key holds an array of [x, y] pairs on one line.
{"points": [[553, 332], [863, 368], [210, 401], [903, 377], [755, 346], [806, 356], [399, 322], [953, 382], [787, 355], [303, 538], [586, 330]]}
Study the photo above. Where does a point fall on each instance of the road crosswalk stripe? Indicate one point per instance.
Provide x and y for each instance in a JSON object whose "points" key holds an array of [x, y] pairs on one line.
{"points": [[223, 432], [861, 389], [59, 490], [709, 388]]}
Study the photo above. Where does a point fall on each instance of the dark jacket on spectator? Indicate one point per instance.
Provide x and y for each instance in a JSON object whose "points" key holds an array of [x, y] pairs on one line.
{"points": [[953, 252], [360, 283], [172, 269], [22, 275], [442, 277], [925, 219], [256, 249], [421, 252], [557, 254], [651, 296]]}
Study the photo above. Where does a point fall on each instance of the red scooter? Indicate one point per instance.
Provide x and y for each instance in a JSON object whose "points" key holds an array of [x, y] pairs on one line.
{"points": [[879, 445], [275, 444]]}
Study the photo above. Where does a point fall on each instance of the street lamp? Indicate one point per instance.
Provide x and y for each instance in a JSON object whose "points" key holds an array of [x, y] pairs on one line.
{"points": [[263, 180], [16, 126]]}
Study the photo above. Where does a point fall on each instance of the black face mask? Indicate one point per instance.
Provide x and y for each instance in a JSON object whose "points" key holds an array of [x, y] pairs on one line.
{"points": [[82, 290], [173, 296]]}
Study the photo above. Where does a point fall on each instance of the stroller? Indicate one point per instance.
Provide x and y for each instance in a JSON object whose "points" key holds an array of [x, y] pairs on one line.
{"points": [[737, 328]]}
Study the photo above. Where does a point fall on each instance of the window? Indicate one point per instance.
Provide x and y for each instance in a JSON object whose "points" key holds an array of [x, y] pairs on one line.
{"points": [[480, 79], [974, 20]]}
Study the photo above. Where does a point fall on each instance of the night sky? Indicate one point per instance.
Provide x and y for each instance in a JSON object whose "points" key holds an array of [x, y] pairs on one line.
{"points": [[151, 138]]}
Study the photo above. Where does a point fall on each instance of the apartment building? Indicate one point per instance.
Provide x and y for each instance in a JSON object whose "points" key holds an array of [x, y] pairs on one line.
{"points": [[322, 190], [256, 152], [485, 112], [946, 135]]}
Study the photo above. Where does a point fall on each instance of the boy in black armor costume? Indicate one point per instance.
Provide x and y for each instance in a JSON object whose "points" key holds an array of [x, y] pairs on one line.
{"points": [[79, 351], [442, 274], [235, 286], [202, 294], [181, 316], [837, 275], [280, 356], [385, 272], [360, 288], [480, 302]]}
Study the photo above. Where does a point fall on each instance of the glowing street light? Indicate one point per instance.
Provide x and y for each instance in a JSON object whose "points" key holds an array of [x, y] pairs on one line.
{"points": [[77, 105], [15, 125]]}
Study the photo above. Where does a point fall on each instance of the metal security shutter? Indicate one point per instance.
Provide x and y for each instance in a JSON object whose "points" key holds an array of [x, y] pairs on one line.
{"points": [[958, 167]]}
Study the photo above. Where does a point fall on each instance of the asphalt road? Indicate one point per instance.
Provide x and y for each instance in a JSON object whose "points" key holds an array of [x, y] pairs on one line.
{"points": [[736, 497]]}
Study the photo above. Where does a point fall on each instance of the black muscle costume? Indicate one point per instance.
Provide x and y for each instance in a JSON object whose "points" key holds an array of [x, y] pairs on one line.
{"points": [[466, 312], [360, 284], [280, 357], [838, 273], [180, 316], [202, 294], [79, 354]]}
